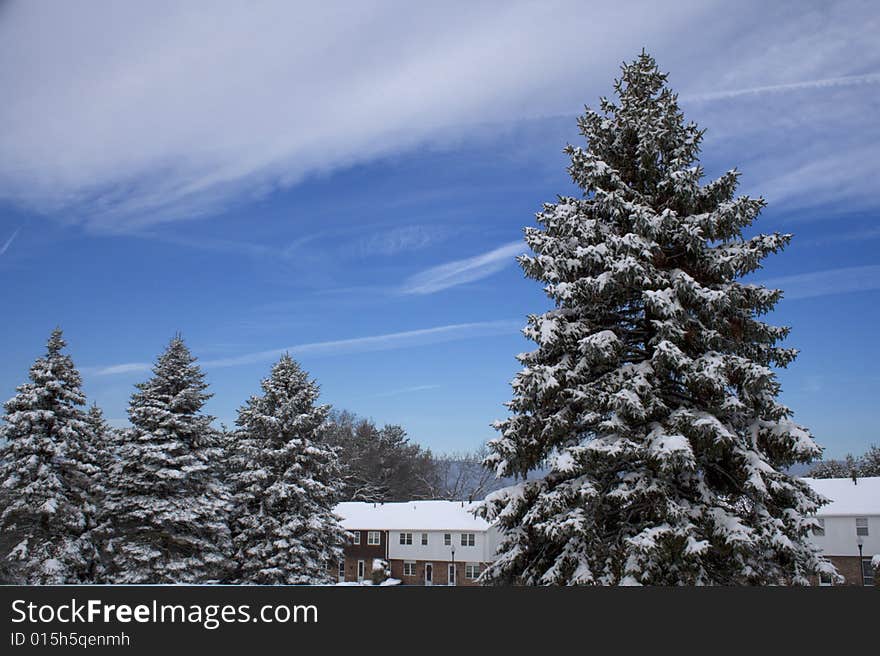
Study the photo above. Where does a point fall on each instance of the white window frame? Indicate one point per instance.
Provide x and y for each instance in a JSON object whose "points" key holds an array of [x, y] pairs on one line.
{"points": [[447, 539], [862, 526], [471, 571], [340, 571], [409, 568], [356, 539], [424, 539], [362, 568], [867, 572], [374, 538], [819, 528], [406, 538], [468, 539], [826, 580]]}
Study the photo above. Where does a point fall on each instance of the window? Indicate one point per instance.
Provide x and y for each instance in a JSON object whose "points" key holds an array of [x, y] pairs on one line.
{"points": [[471, 570], [447, 539], [867, 572], [819, 527], [341, 571], [424, 539], [373, 537], [356, 537], [360, 570], [406, 538], [468, 540], [825, 579], [409, 568], [861, 526]]}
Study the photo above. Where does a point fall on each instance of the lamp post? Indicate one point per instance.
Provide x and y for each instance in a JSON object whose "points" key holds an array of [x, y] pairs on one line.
{"points": [[453, 566], [861, 541]]}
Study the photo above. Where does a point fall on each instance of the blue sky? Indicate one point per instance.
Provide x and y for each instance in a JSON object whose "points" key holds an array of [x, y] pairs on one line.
{"points": [[352, 183]]}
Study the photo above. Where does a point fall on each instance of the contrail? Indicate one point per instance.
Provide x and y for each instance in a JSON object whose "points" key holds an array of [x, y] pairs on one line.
{"points": [[847, 81], [9, 241]]}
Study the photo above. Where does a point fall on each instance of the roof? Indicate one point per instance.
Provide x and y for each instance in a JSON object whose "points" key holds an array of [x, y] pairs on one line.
{"points": [[413, 515], [848, 498]]}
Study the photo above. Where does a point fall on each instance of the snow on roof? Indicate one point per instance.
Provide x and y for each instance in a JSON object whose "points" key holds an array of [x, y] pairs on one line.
{"points": [[414, 515], [848, 498]]}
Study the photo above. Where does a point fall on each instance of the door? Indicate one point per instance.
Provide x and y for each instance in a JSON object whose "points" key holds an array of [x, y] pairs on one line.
{"points": [[429, 574], [341, 571], [360, 570], [451, 578]]}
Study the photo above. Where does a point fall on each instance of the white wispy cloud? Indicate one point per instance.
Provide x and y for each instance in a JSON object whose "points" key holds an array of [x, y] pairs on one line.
{"points": [[385, 342], [400, 239], [172, 110], [459, 272], [827, 283], [405, 390], [8, 242], [826, 83]]}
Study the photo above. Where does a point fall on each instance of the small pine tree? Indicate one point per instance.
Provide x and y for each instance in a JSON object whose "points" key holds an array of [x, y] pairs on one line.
{"points": [[46, 475], [286, 482], [165, 512], [651, 395], [99, 454]]}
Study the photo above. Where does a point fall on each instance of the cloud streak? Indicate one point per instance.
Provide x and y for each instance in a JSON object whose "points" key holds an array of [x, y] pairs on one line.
{"points": [[459, 272], [827, 83], [8, 242], [830, 282], [124, 115], [385, 342]]}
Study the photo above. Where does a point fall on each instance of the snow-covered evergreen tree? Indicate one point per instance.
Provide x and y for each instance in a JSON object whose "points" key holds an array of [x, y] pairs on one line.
{"points": [[651, 396], [46, 475], [164, 514], [99, 454], [286, 482]]}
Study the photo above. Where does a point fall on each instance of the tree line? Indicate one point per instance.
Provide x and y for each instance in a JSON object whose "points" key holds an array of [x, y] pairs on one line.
{"points": [[867, 464], [174, 499]]}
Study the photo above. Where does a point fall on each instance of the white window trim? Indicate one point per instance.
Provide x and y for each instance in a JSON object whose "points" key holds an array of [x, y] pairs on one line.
{"points": [[473, 568], [357, 537], [862, 525], [468, 539], [376, 535], [869, 569], [411, 565], [447, 539], [424, 540], [361, 570], [406, 539]]}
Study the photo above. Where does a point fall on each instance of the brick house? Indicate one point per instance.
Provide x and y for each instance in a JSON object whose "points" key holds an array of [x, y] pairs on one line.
{"points": [[849, 526], [424, 542]]}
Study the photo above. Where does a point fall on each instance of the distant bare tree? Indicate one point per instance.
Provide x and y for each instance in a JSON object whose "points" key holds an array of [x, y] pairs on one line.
{"points": [[462, 477], [380, 464]]}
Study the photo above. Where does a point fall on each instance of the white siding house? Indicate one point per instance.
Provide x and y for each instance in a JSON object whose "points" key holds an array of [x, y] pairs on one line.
{"points": [[429, 542], [851, 520]]}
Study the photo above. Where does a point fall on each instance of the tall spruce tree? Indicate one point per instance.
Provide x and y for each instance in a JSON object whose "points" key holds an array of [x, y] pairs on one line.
{"points": [[46, 476], [286, 481], [165, 511], [651, 397]]}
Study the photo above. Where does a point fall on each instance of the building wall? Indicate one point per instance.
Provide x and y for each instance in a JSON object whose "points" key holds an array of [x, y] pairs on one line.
{"points": [[840, 536], [848, 567], [436, 549], [440, 572], [363, 551]]}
